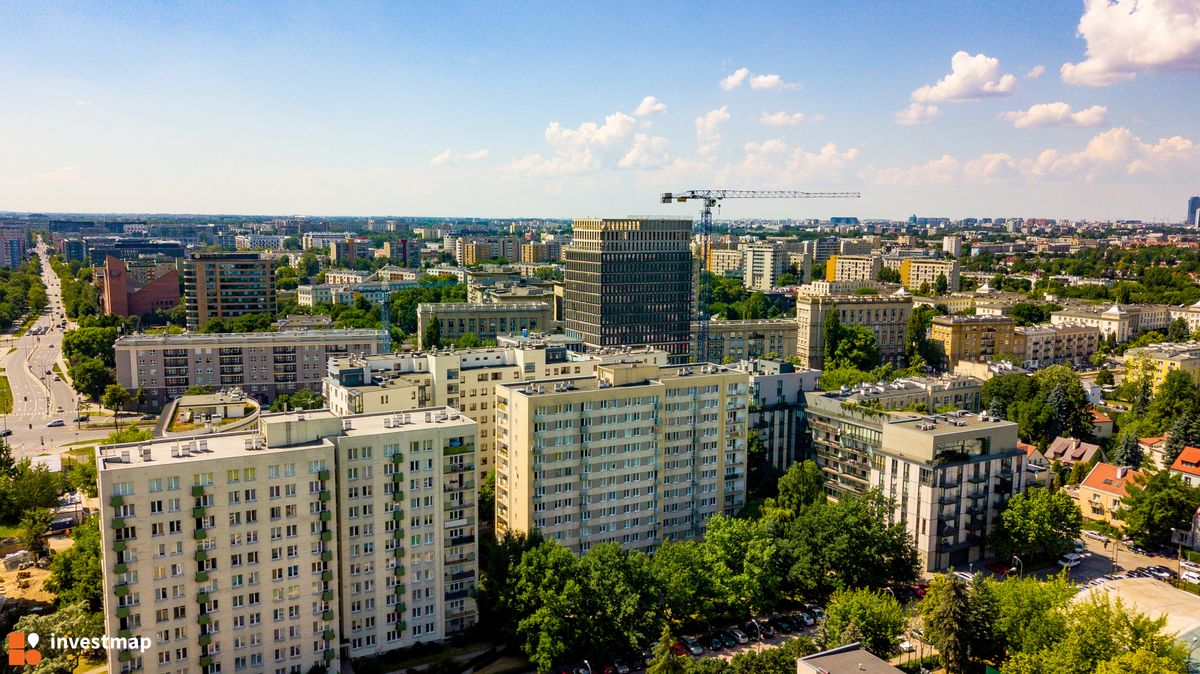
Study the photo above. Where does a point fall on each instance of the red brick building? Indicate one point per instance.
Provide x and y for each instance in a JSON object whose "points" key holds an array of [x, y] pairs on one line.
{"points": [[135, 288]]}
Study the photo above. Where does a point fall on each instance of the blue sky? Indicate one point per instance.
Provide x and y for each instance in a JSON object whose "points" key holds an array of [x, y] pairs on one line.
{"points": [[539, 109]]}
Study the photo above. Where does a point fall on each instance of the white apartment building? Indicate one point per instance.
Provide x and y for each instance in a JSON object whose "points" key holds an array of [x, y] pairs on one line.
{"points": [[1122, 321], [763, 265], [463, 379], [915, 273], [307, 540], [259, 241], [635, 455], [953, 245]]}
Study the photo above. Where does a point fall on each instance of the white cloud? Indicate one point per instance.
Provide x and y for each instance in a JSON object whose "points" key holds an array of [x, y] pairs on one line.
{"points": [[1127, 37], [1117, 152], [1056, 114], [1035, 72], [647, 152], [584, 148], [971, 78], [735, 80], [771, 82], [784, 119], [916, 113], [448, 157], [990, 166], [708, 131], [775, 163], [649, 106], [941, 171]]}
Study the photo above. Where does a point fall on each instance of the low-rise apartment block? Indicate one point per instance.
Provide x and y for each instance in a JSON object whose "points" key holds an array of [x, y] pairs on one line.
{"points": [[1048, 344], [949, 475], [263, 364], [285, 548], [1122, 321], [915, 273], [853, 268], [1166, 357], [886, 316], [973, 337], [952, 392], [456, 319], [738, 340], [636, 454]]}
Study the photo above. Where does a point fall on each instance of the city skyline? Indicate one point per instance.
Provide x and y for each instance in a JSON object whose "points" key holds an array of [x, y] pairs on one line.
{"points": [[1014, 110]]}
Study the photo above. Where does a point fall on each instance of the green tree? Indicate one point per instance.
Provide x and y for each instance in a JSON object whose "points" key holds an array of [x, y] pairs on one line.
{"points": [[1105, 378], [1029, 612], [487, 497], [1038, 524], [1178, 330], [469, 341], [856, 347], [1177, 395], [115, 398], [35, 524], [91, 377], [1155, 503], [1140, 661], [873, 617], [300, 399], [687, 584], [8, 465], [432, 338], [1126, 451], [941, 285], [91, 343], [947, 619], [831, 334], [76, 574], [83, 476], [665, 661], [70, 619], [801, 486], [1184, 432]]}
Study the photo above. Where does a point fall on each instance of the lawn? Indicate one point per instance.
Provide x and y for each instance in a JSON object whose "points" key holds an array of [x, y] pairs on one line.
{"points": [[6, 399], [9, 530]]}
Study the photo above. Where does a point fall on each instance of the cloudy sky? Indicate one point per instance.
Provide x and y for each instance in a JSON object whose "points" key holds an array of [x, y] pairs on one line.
{"points": [[1038, 109]]}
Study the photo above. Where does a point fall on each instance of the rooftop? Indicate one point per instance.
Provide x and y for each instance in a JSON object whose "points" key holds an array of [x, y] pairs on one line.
{"points": [[848, 659], [1110, 479], [965, 320], [246, 338], [1188, 461]]}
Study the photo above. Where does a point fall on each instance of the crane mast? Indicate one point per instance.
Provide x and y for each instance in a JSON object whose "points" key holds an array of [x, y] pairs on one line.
{"points": [[710, 199]]}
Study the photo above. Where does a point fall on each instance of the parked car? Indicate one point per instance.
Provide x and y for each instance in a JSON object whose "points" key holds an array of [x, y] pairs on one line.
{"points": [[727, 639], [1070, 560], [739, 635], [621, 667], [1191, 577], [764, 626], [715, 643], [1190, 566], [806, 619], [782, 624], [819, 612], [5, 432], [1079, 546], [906, 646], [693, 646], [1161, 572], [752, 630], [148, 417], [1095, 536], [56, 423]]}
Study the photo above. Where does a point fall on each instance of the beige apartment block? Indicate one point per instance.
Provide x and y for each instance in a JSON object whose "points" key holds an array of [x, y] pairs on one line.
{"points": [[973, 337], [283, 548], [487, 321], [1119, 321], [916, 272], [739, 340], [723, 261], [764, 264], [886, 316], [853, 268], [636, 454]]}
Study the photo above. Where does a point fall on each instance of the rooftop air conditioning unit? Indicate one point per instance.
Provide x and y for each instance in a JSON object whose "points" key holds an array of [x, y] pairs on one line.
{"points": [[124, 456]]}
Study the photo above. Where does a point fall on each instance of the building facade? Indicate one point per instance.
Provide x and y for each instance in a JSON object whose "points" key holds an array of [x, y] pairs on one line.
{"points": [[948, 475], [763, 263], [886, 316], [777, 391], [973, 337], [631, 283], [456, 319], [635, 455], [136, 289], [1120, 321], [853, 268], [750, 339], [915, 273], [227, 285], [284, 548], [263, 364]]}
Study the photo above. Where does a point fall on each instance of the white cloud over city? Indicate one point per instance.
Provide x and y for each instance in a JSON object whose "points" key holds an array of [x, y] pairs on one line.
{"points": [[1128, 37]]}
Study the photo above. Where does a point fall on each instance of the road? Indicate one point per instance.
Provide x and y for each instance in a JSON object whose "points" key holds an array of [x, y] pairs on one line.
{"points": [[37, 397]]}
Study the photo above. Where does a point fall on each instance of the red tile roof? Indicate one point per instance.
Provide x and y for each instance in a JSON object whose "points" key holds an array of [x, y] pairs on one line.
{"points": [[1151, 441], [1026, 447], [1109, 479], [1188, 461], [1100, 418]]}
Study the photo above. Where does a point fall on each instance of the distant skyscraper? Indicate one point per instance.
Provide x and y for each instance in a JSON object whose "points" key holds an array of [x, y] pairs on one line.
{"points": [[1193, 211], [629, 283]]}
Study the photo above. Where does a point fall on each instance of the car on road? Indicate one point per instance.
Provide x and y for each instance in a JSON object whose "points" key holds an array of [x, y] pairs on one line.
{"points": [[57, 378], [1070, 560], [4, 433], [80, 419], [148, 417], [1095, 536], [1161, 572], [56, 423]]}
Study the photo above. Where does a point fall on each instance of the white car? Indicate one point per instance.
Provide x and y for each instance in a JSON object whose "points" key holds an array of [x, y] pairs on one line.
{"points": [[906, 646], [1070, 560], [1190, 566], [56, 423], [1191, 577], [1095, 536]]}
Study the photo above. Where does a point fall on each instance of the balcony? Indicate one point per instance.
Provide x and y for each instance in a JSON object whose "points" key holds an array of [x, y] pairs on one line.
{"points": [[460, 540], [457, 594]]}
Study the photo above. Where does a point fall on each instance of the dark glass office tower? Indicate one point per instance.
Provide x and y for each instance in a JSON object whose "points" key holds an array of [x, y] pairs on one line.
{"points": [[630, 283]]}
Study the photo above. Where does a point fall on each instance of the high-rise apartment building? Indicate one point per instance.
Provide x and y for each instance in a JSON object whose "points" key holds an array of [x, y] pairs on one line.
{"points": [[630, 283], [915, 273], [464, 379], [281, 549], [12, 246], [636, 454], [764, 263], [138, 288], [952, 244], [853, 268], [1193, 216], [227, 285], [263, 364], [777, 391], [741, 340], [725, 260], [886, 316], [948, 475]]}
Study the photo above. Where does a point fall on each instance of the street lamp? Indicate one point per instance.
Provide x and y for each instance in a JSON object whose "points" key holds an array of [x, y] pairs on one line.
{"points": [[589, 666], [1020, 567]]}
